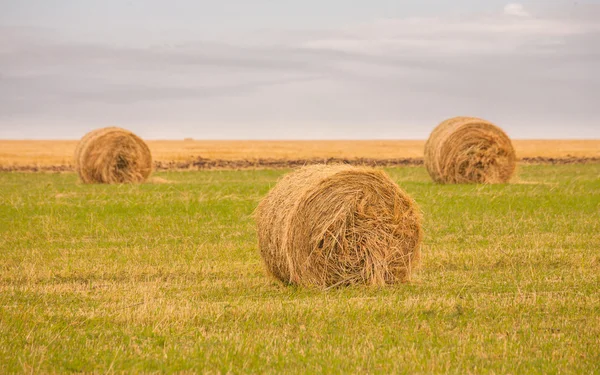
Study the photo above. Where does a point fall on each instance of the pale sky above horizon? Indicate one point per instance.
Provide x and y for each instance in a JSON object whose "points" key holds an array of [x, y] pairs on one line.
{"points": [[282, 69]]}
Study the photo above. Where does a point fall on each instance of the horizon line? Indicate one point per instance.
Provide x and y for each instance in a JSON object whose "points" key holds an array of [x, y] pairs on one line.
{"points": [[191, 139]]}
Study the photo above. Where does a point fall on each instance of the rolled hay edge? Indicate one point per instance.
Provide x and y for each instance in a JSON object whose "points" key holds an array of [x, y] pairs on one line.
{"points": [[326, 226], [469, 150], [112, 155]]}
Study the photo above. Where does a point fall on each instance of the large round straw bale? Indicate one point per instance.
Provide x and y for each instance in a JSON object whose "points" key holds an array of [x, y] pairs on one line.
{"points": [[469, 150], [112, 155], [326, 226]]}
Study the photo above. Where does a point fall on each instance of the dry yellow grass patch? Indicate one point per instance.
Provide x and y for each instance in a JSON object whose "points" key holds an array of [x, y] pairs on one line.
{"points": [[48, 153]]}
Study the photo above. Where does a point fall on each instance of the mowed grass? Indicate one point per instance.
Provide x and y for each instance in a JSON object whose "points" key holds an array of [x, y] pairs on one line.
{"points": [[168, 277]]}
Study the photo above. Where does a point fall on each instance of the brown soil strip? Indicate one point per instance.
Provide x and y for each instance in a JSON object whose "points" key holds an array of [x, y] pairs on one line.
{"points": [[559, 161], [208, 164]]}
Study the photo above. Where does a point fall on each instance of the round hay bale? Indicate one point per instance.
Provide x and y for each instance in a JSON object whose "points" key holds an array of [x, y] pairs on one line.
{"points": [[469, 150], [83, 143], [112, 155], [325, 226]]}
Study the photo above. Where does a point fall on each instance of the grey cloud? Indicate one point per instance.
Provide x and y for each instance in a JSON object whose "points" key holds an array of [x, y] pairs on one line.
{"points": [[126, 94], [391, 74]]}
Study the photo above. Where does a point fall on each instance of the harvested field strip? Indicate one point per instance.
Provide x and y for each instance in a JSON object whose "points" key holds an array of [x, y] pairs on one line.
{"points": [[59, 153]]}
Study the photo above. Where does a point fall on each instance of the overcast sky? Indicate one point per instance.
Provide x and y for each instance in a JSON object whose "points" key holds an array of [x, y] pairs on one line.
{"points": [[310, 69]]}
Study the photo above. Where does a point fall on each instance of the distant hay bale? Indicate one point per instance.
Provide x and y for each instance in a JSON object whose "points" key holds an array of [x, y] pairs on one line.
{"points": [[112, 155], [469, 150], [325, 226]]}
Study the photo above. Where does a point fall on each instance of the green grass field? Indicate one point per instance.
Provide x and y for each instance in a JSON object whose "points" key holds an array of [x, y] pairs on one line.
{"points": [[168, 277]]}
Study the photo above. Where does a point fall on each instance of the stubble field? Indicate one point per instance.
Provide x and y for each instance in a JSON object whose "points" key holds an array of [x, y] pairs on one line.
{"points": [[167, 277], [60, 153]]}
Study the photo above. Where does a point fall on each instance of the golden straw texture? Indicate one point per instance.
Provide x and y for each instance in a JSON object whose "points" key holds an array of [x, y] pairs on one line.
{"points": [[112, 155], [325, 226], [469, 150]]}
